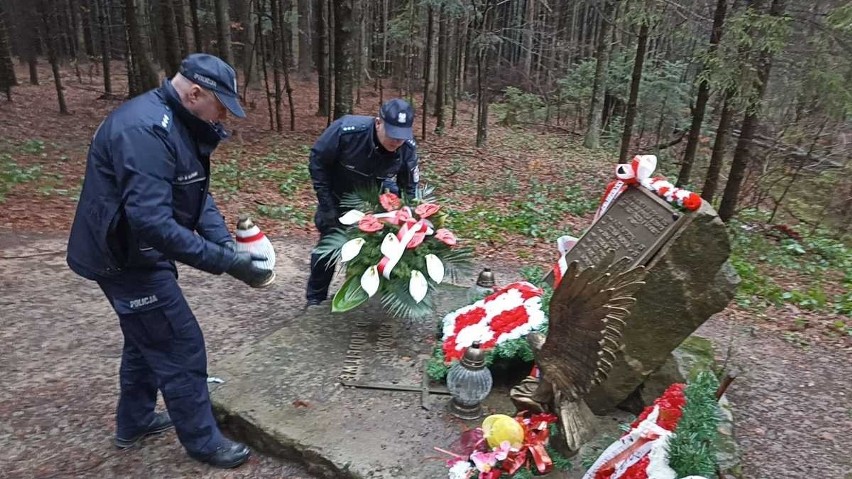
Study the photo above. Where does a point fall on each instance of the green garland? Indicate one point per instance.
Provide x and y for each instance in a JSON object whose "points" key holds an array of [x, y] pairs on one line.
{"points": [[692, 448]]}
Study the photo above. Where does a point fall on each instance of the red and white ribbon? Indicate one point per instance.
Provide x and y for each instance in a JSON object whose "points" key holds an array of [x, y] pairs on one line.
{"points": [[638, 171]]}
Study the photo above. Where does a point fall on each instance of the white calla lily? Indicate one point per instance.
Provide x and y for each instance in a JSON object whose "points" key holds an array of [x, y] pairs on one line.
{"points": [[351, 217], [417, 286], [370, 280], [435, 268], [351, 249], [391, 246]]}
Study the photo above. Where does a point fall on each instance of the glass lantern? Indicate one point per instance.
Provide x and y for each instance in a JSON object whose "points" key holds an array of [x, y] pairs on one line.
{"points": [[483, 287], [469, 382]]}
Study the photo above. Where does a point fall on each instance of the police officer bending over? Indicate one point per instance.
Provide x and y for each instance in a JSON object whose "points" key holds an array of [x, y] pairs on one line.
{"points": [[144, 198], [356, 152]]}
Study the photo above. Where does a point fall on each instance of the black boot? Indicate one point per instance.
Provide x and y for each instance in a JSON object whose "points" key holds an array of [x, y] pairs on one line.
{"points": [[162, 422], [228, 455]]}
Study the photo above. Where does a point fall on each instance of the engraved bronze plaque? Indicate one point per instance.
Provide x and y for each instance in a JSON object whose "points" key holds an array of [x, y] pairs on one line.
{"points": [[637, 225]]}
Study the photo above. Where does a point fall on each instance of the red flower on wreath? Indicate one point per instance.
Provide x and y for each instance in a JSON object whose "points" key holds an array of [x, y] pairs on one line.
{"points": [[369, 224], [446, 236], [509, 320], [692, 202], [389, 201], [671, 408], [426, 210]]}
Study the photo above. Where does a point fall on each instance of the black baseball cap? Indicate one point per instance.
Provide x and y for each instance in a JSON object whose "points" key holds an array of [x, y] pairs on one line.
{"points": [[212, 73], [399, 119]]}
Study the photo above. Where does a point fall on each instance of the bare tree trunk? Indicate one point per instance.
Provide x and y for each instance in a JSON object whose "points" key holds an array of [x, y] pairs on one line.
{"points": [[593, 133], [482, 79], [7, 67], [528, 32], [106, 47], [430, 27], [306, 12], [183, 31], [48, 17], [711, 179], [259, 40], [249, 47], [79, 37], [277, 55], [636, 79], [196, 26], [286, 61], [343, 75], [702, 97], [140, 55], [223, 31], [322, 26], [171, 43], [441, 87], [727, 207]]}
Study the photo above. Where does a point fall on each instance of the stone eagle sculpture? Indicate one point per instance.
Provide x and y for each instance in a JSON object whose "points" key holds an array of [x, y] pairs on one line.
{"points": [[587, 316]]}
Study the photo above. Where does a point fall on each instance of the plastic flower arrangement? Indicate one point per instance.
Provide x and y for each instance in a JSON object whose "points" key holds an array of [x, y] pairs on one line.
{"points": [[502, 447], [393, 248]]}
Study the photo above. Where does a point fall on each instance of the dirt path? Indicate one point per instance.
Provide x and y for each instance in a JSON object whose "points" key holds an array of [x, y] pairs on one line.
{"points": [[60, 349]]}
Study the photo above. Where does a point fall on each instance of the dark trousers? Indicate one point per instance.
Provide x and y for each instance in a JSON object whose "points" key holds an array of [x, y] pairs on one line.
{"points": [[322, 273], [163, 349]]}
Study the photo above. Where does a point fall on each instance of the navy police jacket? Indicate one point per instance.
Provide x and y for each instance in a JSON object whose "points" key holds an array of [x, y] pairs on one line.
{"points": [[348, 156], [145, 193]]}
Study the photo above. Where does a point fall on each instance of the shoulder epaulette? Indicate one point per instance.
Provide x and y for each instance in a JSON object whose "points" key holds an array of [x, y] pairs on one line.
{"points": [[164, 119], [353, 125]]}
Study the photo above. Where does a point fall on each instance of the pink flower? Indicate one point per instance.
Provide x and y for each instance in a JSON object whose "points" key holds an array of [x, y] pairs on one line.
{"points": [[369, 224], [389, 201], [426, 210], [446, 236]]}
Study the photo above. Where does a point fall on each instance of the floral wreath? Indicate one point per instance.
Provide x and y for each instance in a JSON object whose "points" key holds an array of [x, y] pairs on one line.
{"points": [[672, 438], [387, 245], [508, 314]]}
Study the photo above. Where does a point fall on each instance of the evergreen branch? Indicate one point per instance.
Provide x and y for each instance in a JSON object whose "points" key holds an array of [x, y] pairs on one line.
{"points": [[691, 449]]}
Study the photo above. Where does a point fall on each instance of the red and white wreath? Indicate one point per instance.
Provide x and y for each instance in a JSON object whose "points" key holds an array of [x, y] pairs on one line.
{"points": [[509, 313]]}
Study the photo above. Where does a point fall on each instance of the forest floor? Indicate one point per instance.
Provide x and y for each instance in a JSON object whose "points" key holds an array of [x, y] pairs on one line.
{"points": [[793, 397]]}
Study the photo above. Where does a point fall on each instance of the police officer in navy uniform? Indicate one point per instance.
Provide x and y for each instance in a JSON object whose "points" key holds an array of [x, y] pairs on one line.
{"points": [[356, 152], [144, 206]]}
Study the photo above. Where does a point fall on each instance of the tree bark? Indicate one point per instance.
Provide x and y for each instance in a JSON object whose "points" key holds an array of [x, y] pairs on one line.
{"points": [[171, 42], [593, 133], [250, 52], [196, 26], [7, 67], [103, 25], [48, 18], [728, 206], [427, 68], [277, 48], [79, 34], [140, 55], [322, 25], [343, 54], [223, 31], [443, 60], [701, 98], [306, 13], [711, 179], [636, 79]]}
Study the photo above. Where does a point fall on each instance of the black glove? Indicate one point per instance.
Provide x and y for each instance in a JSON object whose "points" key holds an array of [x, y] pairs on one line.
{"points": [[245, 270], [326, 220]]}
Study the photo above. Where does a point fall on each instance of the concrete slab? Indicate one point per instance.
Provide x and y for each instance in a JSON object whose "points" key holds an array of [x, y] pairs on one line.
{"points": [[283, 395]]}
